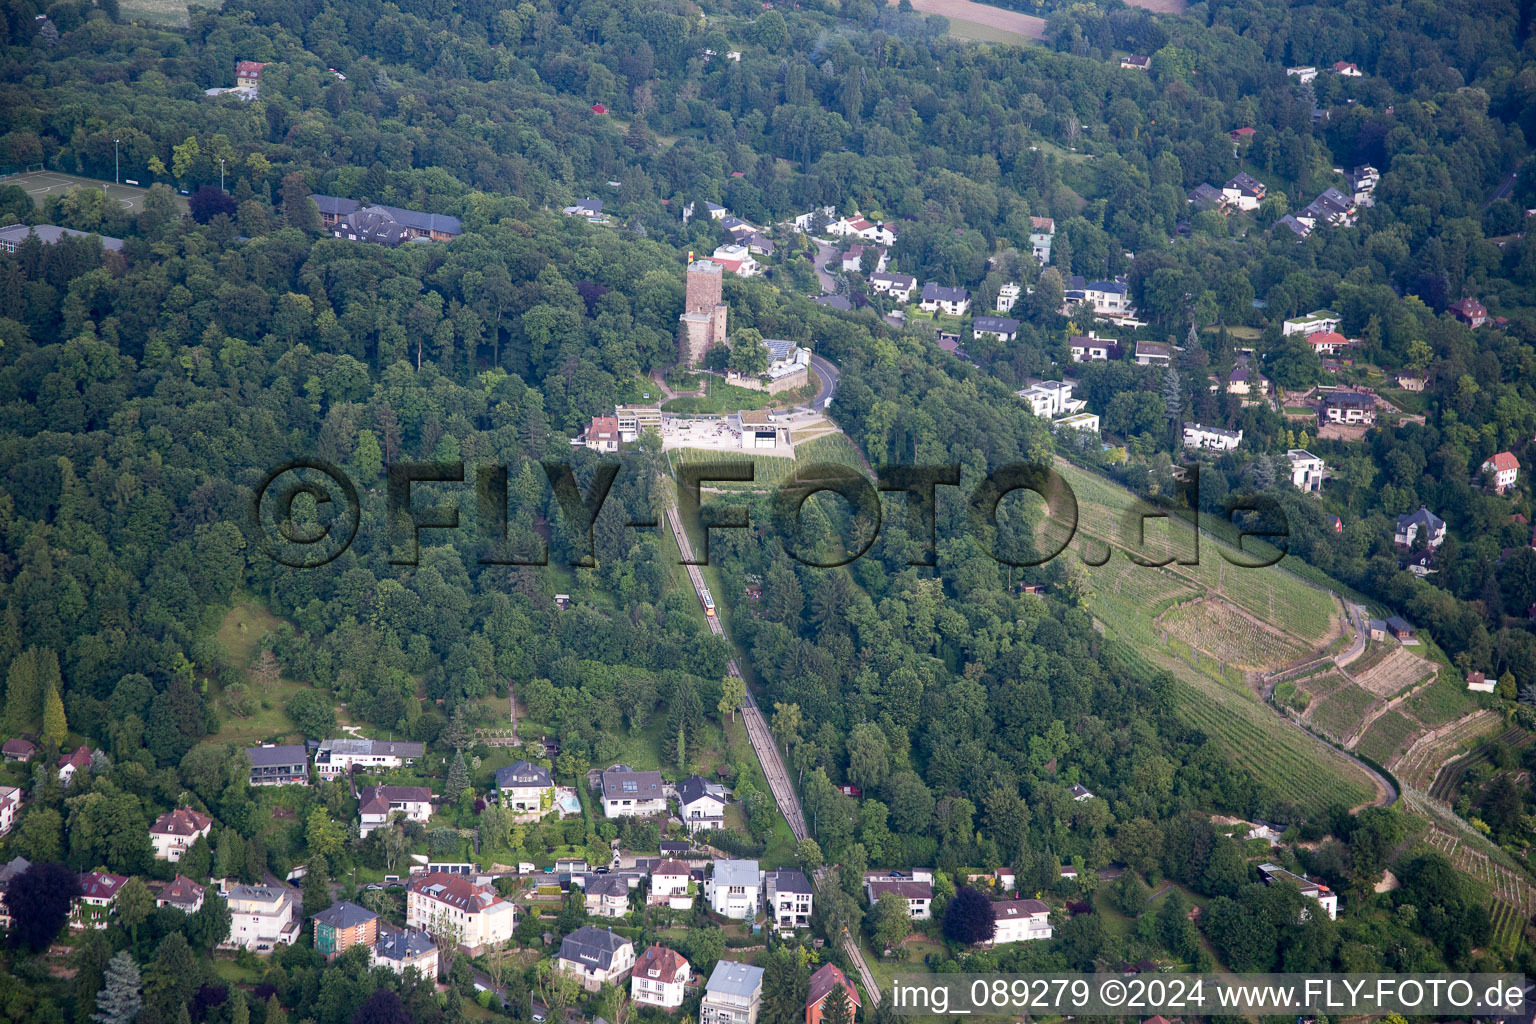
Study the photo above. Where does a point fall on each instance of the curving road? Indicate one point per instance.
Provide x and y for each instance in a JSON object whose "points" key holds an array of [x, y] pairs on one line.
{"points": [[761, 738], [827, 376]]}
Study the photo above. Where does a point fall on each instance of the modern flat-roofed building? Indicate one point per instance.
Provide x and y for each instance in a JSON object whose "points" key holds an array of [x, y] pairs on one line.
{"points": [[13, 237], [274, 765], [262, 917], [735, 888], [733, 994]]}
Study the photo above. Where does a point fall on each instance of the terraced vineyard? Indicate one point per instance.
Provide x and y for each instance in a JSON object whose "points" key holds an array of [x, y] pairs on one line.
{"points": [[1338, 715], [1417, 766], [1387, 735], [1394, 674], [771, 470], [1229, 635]]}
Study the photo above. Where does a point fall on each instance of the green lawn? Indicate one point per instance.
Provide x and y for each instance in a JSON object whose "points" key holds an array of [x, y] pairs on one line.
{"points": [[721, 397], [240, 633]]}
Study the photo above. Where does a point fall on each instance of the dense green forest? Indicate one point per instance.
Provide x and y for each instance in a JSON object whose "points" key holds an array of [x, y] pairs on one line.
{"points": [[144, 393]]}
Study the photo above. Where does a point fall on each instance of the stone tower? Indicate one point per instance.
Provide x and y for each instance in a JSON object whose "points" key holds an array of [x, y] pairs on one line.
{"points": [[702, 325]]}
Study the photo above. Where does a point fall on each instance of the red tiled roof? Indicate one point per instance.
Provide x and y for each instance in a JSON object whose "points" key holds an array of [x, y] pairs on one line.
{"points": [[1504, 461], [456, 891], [81, 758], [182, 890], [101, 885], [825, 980], [659, 962], [1327, 338], [670, 867], [183, 821]]}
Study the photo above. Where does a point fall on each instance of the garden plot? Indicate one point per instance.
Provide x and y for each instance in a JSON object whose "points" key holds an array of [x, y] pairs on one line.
{"points": [[1394, 674], [1229, 634]]}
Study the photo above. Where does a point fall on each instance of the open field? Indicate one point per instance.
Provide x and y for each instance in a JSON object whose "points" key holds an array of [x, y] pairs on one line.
{"points": [[163, 12], [240, 634], [40, 185], [720, 397]]}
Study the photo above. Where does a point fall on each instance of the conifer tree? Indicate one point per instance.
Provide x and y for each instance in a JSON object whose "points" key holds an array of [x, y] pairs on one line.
{"points": [[119, 1000]]}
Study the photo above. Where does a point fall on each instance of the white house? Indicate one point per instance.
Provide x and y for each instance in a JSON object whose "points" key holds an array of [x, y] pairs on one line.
{"points": [[1020, 921], [97, 899], [1108, 298], [1503, 469], [669, 885], [628, 793], [1307, 470], [936, 298], [897, 286], [590, 210], [1077, 421], [1408, 527], [1091, 348], [1315, 322], [341, 755], [1041, 232], [1352, 408], [738, 260], [400, 949], [10, 803], [375, 804], [183, 894], [174, 831], [1302, 74], [1478, 682], [701, 804], [262, 917], [607, 895], [853, 259], [732, 995], [1327, 342], [735, 889], [918, 894], [1000, 327], [1007, 295], [524, 788], [1347, 69], [595, 956], [1211, 438], [1325, 897], [1051, 398], [804, 221], [452, 905], [1153, 353], [790, 899], [1244, 191], [79, 760], [660, 978]]}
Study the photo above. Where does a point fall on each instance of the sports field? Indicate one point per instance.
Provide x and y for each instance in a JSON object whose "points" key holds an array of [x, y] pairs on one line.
{"points": [[42, 184]]}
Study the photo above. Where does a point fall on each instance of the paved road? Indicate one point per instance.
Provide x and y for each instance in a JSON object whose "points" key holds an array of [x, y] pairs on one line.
{"points": [[827, 375], [824, 253], [1504, 189], [763, 745]]}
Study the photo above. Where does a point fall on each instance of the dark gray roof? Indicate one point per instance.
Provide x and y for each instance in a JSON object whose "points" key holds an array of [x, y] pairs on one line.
{"points": [[12, 869], [355, 747], [50, 234], [334, 206], [424, 221], [903, 281], [694, 787], [592, 946], [1000, 324], [345, 915], [790, 880], [607, 885], [835, 301], [523, 775], [1422, 517], [1246, 183], [934, 292], [405, 944], [1296, 226], [271, 757], [623, 783]]}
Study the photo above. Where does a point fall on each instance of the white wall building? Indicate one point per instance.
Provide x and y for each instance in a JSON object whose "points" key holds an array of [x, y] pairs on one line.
{"points": [[1052, 398], [262, 917], [1020, 921], [1306, 470], [735, 889], [660, 978], [1211, 438], [175, 831], [340, 755], [452, 905], [628, 793], [732, 995]]}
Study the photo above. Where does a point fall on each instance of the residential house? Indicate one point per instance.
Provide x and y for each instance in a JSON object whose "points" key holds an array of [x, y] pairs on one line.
{"points": [[1205, 196], [590, 210], [738, 229], [1153, 353], [607, 895], [860, 227], [15, 867], [732, 995], [1077, 421], [853, 259], [343, 925], [595, 956], [1205, 438], [757, 245], [897, 286], [1244, 191], [737, 259], [392, 225], [401, 949], [1091, 348], [1315, 322], [1327, 342], [828, 979], [1502, 469], [525, 788], [670, 885], [635, 420], [1272, 873], [1302, 74], [1135, 62], [790, 898], [342, 755], [1346, 69], [79, 760], [806, 221], [701, 804], [1421, 564], [1005, 879], [1333, 208], [95, 904], [735, 889], [718, 212], [446, 904], [628, 793], [13, 237], [275, 765], [601, 435], [334, 209], [1296, 227], [377, 804], [952, 301], [1042, 231], [248, 73], [1245, 380], [834, 302], [918, 894], [1410, 382], [1051, 398], [175, 831], [1020, 921], [1350, 408], [262, 917], [1007, 296], [1108, 298], [1470, 312], [1401, 631], [1409, 525], [10, 803], [1307, 470], [1376, 629], [373, 227], [19, 750], [1362, 183], [1000, 327], [1080, 792], [660, 978], [1477, 682], [183, 894]]}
